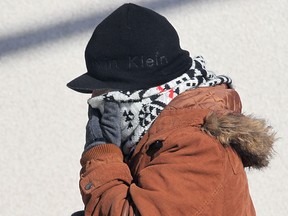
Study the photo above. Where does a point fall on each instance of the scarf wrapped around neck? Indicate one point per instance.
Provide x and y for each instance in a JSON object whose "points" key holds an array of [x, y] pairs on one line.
{"points": [[140, 108]]}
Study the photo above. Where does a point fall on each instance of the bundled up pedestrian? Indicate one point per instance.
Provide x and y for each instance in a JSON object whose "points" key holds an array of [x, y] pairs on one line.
{"points": [[165, 136]]}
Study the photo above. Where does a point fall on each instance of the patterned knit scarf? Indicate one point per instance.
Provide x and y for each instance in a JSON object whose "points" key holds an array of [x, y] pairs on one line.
{"points": [[139, 109]]}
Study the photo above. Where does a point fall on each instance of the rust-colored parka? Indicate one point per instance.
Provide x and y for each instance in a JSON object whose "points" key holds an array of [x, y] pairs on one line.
{"points": [[190, 162]]}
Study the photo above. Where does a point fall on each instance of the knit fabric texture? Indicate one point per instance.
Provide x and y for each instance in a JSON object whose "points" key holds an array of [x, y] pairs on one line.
{"points": [[129, 47], [140, 108]]}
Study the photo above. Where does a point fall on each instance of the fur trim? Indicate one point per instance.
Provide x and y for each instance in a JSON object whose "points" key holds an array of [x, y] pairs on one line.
{"points": [[251, 138]]}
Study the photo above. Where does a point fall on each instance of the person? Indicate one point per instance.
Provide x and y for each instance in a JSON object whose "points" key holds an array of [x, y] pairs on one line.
{"points": [[165, 136]]}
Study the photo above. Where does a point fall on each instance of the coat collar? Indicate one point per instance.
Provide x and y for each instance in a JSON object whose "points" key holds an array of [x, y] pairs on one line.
{"points": [[217, 111], [191, 108]]}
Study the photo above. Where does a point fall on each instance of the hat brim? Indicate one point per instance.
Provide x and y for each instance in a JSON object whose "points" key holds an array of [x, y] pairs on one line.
{"points": [[87, 84]]}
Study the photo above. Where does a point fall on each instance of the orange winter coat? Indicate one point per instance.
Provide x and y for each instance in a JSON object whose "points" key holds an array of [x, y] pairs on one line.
{"points": [[190, 162]]}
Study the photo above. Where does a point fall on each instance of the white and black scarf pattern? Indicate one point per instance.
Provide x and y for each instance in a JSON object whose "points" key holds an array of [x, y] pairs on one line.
{"points": [[139, 109]]}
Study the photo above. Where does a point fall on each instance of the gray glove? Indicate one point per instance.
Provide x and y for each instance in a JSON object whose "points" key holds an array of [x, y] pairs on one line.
{"points": [[105, 128]]}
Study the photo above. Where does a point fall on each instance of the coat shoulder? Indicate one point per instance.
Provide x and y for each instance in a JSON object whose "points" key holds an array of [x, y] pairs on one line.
{"points": [[252, 138]]}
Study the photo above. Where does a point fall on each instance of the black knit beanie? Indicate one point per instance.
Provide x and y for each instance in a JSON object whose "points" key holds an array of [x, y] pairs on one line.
{"points": [[133, 48]]}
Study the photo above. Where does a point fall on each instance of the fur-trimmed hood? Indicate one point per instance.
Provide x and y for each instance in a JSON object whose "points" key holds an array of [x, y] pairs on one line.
{"points": [[251, 137]]}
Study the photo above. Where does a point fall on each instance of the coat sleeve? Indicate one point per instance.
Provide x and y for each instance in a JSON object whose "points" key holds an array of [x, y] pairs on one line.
{"points": [[104, 181], [183, 178]]}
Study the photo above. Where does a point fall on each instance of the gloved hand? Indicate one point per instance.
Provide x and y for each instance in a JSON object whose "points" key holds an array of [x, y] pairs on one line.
{"points": [[105, 128]]}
